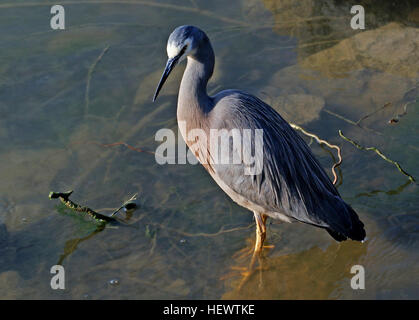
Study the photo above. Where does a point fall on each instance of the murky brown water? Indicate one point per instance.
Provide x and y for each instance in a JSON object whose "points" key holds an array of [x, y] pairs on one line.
{"points": [[302, 57]]}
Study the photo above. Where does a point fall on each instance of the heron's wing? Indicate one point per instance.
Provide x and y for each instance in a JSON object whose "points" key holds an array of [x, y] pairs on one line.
{"points": [[292, 181]]}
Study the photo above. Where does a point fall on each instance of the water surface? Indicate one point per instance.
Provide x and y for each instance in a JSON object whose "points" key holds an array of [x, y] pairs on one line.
{"points": [[189, 240]]}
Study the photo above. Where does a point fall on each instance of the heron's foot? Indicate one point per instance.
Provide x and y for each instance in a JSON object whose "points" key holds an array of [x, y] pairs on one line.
{"points": [[250, 251], [235, 272], [242, 257], [255, 251], [244, 253], [251, 270]]}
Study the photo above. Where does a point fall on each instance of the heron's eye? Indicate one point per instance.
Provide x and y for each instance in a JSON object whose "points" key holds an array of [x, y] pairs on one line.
{"points": [[183, 50]]}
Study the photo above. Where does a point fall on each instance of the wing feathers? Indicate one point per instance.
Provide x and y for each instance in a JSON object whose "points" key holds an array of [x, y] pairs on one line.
{"points": [[292, 182]]}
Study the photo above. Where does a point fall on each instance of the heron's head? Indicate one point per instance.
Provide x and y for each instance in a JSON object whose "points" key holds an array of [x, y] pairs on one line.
{"points": [[182, 42]]}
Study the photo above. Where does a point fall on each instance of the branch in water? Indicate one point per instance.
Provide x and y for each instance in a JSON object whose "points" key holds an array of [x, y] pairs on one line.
{"points": [[321, 141], [202, 234], [89, 77], [357, 145], [374, 112], [64, 198], [398, 116]]}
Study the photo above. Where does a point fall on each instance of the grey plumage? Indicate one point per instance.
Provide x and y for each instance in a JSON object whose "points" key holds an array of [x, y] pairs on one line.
{"points": [[292, 185], [292, 181]]}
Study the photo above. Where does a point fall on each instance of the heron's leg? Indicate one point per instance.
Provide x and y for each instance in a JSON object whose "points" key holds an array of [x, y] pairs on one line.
{"points": [[260, 219], [260, 239]]}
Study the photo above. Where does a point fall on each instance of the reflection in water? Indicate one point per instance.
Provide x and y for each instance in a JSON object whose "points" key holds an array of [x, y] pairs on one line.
{"points": [[392, 192], [311, 274], [71, 245]]}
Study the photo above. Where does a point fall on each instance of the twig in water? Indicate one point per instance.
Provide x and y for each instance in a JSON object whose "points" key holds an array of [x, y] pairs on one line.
{"points": [[321, 141], [398, 116], [134, 197], [202, 234], [126, 145], [64, 197], [340, 117], [350, 121], [374, 112], [357, 145], [89, 77], [339, 171]]}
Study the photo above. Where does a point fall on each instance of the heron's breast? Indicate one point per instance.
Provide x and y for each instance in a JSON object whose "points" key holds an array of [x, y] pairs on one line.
{"points": [[195, 135]]}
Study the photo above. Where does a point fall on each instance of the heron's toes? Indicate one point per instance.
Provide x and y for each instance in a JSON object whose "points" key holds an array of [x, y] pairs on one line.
{"points": [[243, 253]]}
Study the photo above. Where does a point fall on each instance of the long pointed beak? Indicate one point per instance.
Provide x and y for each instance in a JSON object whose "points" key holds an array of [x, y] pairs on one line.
{"points": [[171, 63]]}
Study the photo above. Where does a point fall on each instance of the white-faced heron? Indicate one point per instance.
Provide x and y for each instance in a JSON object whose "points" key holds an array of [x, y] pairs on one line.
{"points": [[292, 186]]}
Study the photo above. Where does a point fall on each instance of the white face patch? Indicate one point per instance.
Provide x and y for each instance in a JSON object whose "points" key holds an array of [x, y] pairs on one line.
{"points": [[173, 49]]}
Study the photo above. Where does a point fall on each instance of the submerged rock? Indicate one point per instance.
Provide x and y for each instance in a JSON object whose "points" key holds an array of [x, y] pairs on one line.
{"points": [[358, 75], [391, 49], [299, 108]]}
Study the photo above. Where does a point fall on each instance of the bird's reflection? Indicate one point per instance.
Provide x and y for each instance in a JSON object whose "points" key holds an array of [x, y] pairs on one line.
{"points": [[311, 274]]}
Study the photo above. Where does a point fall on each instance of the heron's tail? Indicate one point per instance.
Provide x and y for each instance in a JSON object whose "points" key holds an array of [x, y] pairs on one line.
{"points": [[353, 230]]}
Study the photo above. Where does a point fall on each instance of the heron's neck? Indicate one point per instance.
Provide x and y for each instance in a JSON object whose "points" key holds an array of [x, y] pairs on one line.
{"points": [[193, 88]]}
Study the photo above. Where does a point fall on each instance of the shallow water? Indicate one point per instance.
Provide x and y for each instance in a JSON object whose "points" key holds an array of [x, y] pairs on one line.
{"points": [[188, 239]]}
